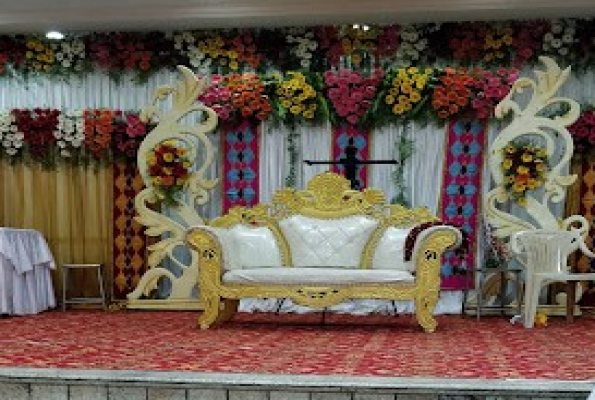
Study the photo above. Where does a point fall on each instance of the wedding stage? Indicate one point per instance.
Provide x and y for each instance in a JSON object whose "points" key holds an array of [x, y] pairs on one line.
{"points": [[154, 354]]}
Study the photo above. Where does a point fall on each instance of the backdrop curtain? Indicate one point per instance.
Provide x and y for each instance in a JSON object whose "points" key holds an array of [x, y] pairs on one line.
{"points": [[70, 206]]}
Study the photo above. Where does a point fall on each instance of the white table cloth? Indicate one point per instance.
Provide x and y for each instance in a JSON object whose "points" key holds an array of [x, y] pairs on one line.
{"points": [[25, 279]]}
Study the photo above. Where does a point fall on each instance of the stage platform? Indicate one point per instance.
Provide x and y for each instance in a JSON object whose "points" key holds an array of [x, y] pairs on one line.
{"points": [[162, 355]]}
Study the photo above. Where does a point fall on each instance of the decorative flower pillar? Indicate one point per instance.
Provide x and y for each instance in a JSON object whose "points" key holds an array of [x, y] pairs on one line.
{"points": [[530, 123], [170, 132]]}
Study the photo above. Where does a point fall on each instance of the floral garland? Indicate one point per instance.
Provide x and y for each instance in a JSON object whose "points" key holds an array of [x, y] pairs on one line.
{"points": [[169, 171], [70, 133], [98, 132], [351, 94], [12, 139], [38, 126], [129, 131], [452, 93], [525, 168], [297, 100], [405, 89], [583, 131], [491, 89]]}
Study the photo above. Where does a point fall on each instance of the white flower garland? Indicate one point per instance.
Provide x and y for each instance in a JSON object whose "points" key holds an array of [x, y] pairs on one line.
{"points": [[412, 45], [187, 44], [12, 140], [70, 54], [70, 132], [302, 45], [558, 41]]}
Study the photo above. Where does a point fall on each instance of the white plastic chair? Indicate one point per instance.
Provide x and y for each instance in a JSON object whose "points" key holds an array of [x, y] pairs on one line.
{"points": [[545, 256]]}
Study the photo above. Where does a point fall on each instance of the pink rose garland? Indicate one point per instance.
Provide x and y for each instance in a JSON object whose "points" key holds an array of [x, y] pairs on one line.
{"points": [[350, 93]]}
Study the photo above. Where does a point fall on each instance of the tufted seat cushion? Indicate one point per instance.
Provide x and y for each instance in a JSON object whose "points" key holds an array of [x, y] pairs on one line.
{"points": [[323, 243], [315, 276]]}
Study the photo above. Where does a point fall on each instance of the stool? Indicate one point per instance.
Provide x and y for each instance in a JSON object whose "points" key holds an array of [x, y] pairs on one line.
{"points": [[66, 268]]}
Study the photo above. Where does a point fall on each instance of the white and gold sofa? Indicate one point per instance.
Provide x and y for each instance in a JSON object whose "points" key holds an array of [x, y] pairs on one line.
{"points": [[319, 247]]}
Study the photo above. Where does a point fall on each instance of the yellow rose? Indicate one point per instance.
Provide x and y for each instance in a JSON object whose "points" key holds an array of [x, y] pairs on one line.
{"points": [[389, 99], [286, 103], [540, 166], [510, 149], [398, 109], [526, 157], [412, 70], [181, 151], [168, 157], [541, 153], [507, 163], [295, 110], [510, 179]]}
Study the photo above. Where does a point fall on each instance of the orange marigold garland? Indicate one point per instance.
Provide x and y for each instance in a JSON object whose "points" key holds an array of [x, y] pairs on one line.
{"points": [[525, 168], [98, 132], [452, 94], [169, 171]]}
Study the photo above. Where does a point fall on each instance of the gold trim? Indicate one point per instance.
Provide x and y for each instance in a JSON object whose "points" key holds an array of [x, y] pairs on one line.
{"points": [[327, 196]]}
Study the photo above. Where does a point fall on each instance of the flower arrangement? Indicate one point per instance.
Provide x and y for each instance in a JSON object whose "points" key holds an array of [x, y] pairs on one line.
{"points": [[498, 42], [169, 171], [70, 55], [38, 126], [118, 52], [98, 132], [244, 46], [524, 166], [127, 135], [527, 41], [218, 98], [406, 88], [298, 100], [452, 93], [412, 45], [583, 131], [491, 89], [350, 93], [186, 43], [560, 38], [11, 138], [40, 56], [302, 44], [467, 41], [70, 133]]}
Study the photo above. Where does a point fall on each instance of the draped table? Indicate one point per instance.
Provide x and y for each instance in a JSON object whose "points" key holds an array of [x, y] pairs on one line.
{"points": [[25, 278]]}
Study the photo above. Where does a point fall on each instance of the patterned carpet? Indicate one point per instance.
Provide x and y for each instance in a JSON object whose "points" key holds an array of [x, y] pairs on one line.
{"points": [[299, 344]]}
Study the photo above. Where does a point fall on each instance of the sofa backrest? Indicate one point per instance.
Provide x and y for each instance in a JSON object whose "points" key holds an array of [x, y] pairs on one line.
{"points": [[334, 242], [326, 225]]}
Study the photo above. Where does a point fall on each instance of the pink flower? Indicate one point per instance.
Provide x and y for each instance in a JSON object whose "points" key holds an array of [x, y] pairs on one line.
{"points": [[216, 79]]}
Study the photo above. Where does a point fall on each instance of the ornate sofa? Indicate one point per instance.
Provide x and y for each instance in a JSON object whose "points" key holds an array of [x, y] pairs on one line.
{"points": [[319, 247]]}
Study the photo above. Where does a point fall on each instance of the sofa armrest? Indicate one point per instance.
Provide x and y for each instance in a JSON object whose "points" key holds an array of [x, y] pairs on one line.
{"points": [[429, 246], [209, 244]]}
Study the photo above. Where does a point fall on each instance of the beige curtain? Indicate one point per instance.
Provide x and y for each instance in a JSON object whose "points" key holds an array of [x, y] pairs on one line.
{"points": [[71, 206]]}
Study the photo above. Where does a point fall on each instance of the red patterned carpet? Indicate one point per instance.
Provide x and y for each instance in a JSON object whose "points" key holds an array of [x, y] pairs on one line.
{"points": [[298, 344]]}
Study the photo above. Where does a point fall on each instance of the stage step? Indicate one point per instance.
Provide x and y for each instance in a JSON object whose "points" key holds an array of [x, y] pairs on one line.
{"points": [[62, 384]]}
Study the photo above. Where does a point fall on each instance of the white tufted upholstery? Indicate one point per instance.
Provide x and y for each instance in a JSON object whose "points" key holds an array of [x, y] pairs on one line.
{"points": [[390, 250], [315, 276], [248, 247], [335, 243]]}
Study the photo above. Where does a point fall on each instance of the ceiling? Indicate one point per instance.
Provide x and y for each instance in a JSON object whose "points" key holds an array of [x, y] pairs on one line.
{"points": [[18, 16]]}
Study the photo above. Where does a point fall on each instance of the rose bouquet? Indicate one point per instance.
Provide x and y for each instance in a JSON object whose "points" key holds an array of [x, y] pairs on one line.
{"points": [[168, 168], [524, 166], [351, 94]]}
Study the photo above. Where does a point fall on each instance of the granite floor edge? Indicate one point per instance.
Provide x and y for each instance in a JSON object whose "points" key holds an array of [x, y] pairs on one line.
{"points": [[283, 381]]}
